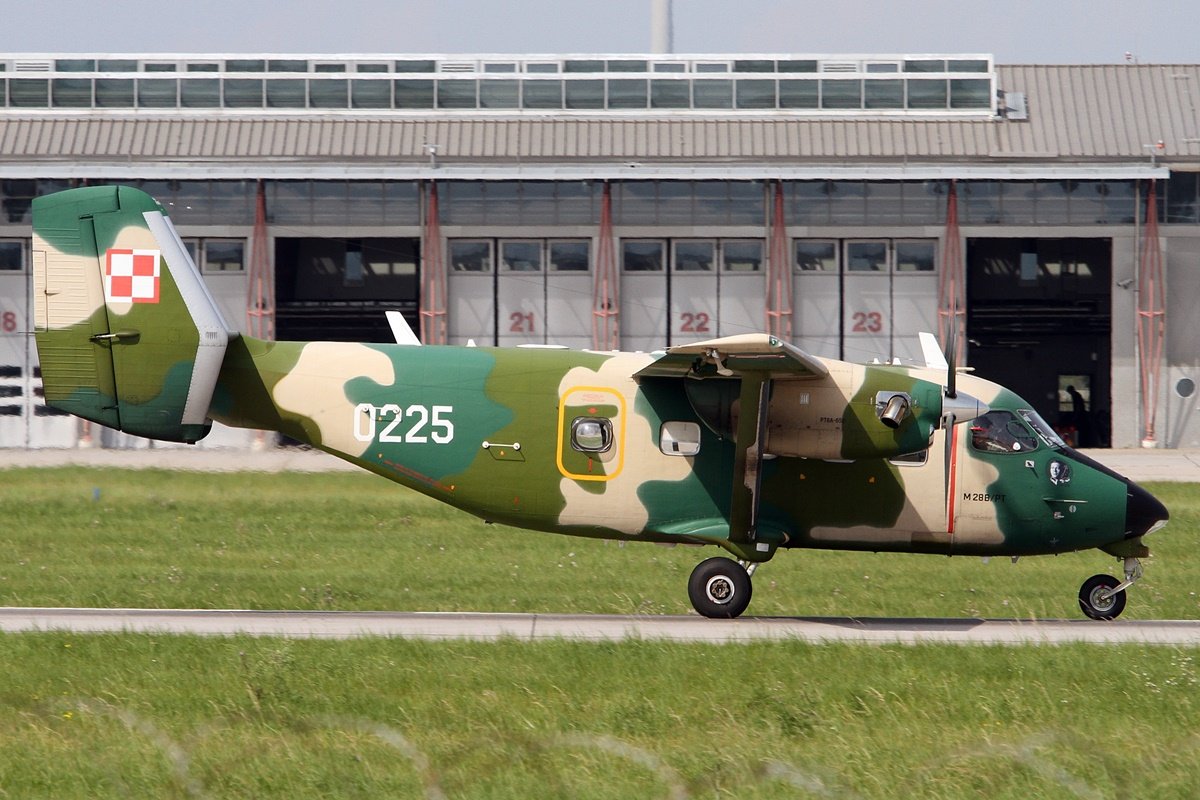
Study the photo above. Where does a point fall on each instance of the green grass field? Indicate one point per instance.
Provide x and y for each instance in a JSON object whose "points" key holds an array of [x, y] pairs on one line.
{"points": [[111, 538], [118, 716], [150, 716]]}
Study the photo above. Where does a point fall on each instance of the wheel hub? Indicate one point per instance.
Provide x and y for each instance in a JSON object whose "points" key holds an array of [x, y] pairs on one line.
{"points": [[1103, 599], [719, 589]]}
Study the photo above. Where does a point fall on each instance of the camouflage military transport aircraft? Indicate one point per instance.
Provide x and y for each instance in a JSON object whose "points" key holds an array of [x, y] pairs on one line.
{"points": [[745, 442]]}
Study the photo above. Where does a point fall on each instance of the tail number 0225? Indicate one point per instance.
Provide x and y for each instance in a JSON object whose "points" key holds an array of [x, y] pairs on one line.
{"points": [[420, 424]]}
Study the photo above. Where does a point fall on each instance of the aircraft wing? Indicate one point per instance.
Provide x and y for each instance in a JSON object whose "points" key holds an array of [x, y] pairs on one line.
{"points": [[734, 355]]}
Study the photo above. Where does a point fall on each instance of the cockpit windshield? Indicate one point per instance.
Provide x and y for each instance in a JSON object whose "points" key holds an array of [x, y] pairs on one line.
{"points": [[1001, 432], [1041, 428]]}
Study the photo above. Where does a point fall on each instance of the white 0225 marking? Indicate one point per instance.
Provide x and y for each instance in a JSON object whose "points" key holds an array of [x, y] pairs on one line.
{"points": [[425, 423]]}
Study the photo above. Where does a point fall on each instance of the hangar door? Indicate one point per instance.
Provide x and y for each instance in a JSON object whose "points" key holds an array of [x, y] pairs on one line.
{"points": [[864, 299], [1039, 320], [508, 292], [339, 289], [676, 291]]}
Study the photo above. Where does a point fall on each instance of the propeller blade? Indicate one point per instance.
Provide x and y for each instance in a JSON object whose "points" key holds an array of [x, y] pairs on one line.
{"points": [[948, 422], [952, 353]]}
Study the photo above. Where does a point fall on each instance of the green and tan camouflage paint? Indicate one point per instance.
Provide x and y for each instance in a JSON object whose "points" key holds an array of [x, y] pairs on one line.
{"points": [[488, 430]]}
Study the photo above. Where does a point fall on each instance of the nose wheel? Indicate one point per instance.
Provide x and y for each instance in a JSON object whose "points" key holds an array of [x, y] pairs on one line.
{"points": [[1103, 596], [720, 588]]}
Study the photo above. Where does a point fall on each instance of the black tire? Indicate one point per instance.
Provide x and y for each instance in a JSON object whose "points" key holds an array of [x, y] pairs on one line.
{"points": [[1094, 604], [720, 588]]}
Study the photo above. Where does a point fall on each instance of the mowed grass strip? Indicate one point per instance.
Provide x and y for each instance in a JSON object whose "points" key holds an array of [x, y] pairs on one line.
{"points": [[162, 716], [160, 539]]}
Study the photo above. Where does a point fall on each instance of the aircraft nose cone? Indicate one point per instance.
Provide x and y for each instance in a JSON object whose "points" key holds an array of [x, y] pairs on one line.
{"points": [[1143, 512]]}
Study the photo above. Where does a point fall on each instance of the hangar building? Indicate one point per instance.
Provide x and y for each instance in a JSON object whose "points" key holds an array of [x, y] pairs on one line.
{"points": [[844, 202]]}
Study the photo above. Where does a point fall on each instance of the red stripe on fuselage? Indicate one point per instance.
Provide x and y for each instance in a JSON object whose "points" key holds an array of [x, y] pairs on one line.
{"points": [[953, 433]]}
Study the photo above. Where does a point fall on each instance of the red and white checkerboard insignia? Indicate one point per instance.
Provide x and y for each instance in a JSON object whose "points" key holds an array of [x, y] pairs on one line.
{"points": [[131, 276]]}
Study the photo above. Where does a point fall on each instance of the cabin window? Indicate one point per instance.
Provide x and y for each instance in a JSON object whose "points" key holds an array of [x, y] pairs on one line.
{"points": [[1001, 432], [591, 434], [677, 438]]}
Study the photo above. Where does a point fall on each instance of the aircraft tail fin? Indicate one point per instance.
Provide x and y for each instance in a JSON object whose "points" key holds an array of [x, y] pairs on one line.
{"points": [[127, 333]]}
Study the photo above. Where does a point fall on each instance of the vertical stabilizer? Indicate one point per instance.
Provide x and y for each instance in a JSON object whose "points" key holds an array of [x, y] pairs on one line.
{"points": [[127, 334]]}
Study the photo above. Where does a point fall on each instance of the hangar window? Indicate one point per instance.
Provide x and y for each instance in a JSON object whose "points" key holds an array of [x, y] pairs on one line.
{"points": [[915, 256], [712, 93], [543, 94], [500, 94], [330, 93], [470, 255], [28, 92], [755, 93], [813, 255], [158, 93], [287, 65], [456, 94], [570, 255], [370, 94], [627, 93], [742, 255], [927, 94], [798, 94], [200, 93], [521, 256], [643, 255], [693, 255], [591, 434], [285, 93], [217, 255], [413, 93], [114, 93], [585, 94], [241, 93], [669, 94], [71, 92], [12, 255]]}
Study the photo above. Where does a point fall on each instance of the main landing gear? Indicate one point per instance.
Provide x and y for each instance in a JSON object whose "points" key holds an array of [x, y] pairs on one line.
{"points": [[720, 588], [1103, 597]]}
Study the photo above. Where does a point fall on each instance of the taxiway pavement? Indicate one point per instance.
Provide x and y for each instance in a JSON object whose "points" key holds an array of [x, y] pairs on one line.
{"points": [[579, 627]]}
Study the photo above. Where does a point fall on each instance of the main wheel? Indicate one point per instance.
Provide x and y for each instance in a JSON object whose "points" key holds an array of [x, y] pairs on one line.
{"points": [[1097, 599], [720, 588]]}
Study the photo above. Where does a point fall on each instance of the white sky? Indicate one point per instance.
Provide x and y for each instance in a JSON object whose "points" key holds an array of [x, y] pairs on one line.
{"points": [[1015, 31]]}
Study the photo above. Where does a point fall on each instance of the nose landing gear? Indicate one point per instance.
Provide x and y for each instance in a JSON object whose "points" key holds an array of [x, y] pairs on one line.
{"points": [[1103, 597], [720, 588]]}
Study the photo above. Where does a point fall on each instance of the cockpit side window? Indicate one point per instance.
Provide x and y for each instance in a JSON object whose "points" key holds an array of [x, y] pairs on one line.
{"points": [[1001, 432]]}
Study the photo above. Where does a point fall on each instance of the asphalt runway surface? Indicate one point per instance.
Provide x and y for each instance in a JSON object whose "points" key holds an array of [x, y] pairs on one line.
{"points": [[583, 627]]}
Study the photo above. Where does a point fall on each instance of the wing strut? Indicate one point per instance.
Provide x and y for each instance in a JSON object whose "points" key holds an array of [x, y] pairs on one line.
{"points": [[755, 398]]}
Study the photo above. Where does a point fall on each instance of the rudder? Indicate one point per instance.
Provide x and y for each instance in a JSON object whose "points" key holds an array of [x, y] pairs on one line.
{"points": [[127, 334]]}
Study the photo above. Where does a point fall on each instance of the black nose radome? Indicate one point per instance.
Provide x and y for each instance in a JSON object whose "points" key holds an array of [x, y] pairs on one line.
{"points": [[1143, 511]]}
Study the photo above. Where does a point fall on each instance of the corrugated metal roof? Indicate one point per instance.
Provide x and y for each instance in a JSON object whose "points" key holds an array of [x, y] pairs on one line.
{"points": [[1077, 114]]}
